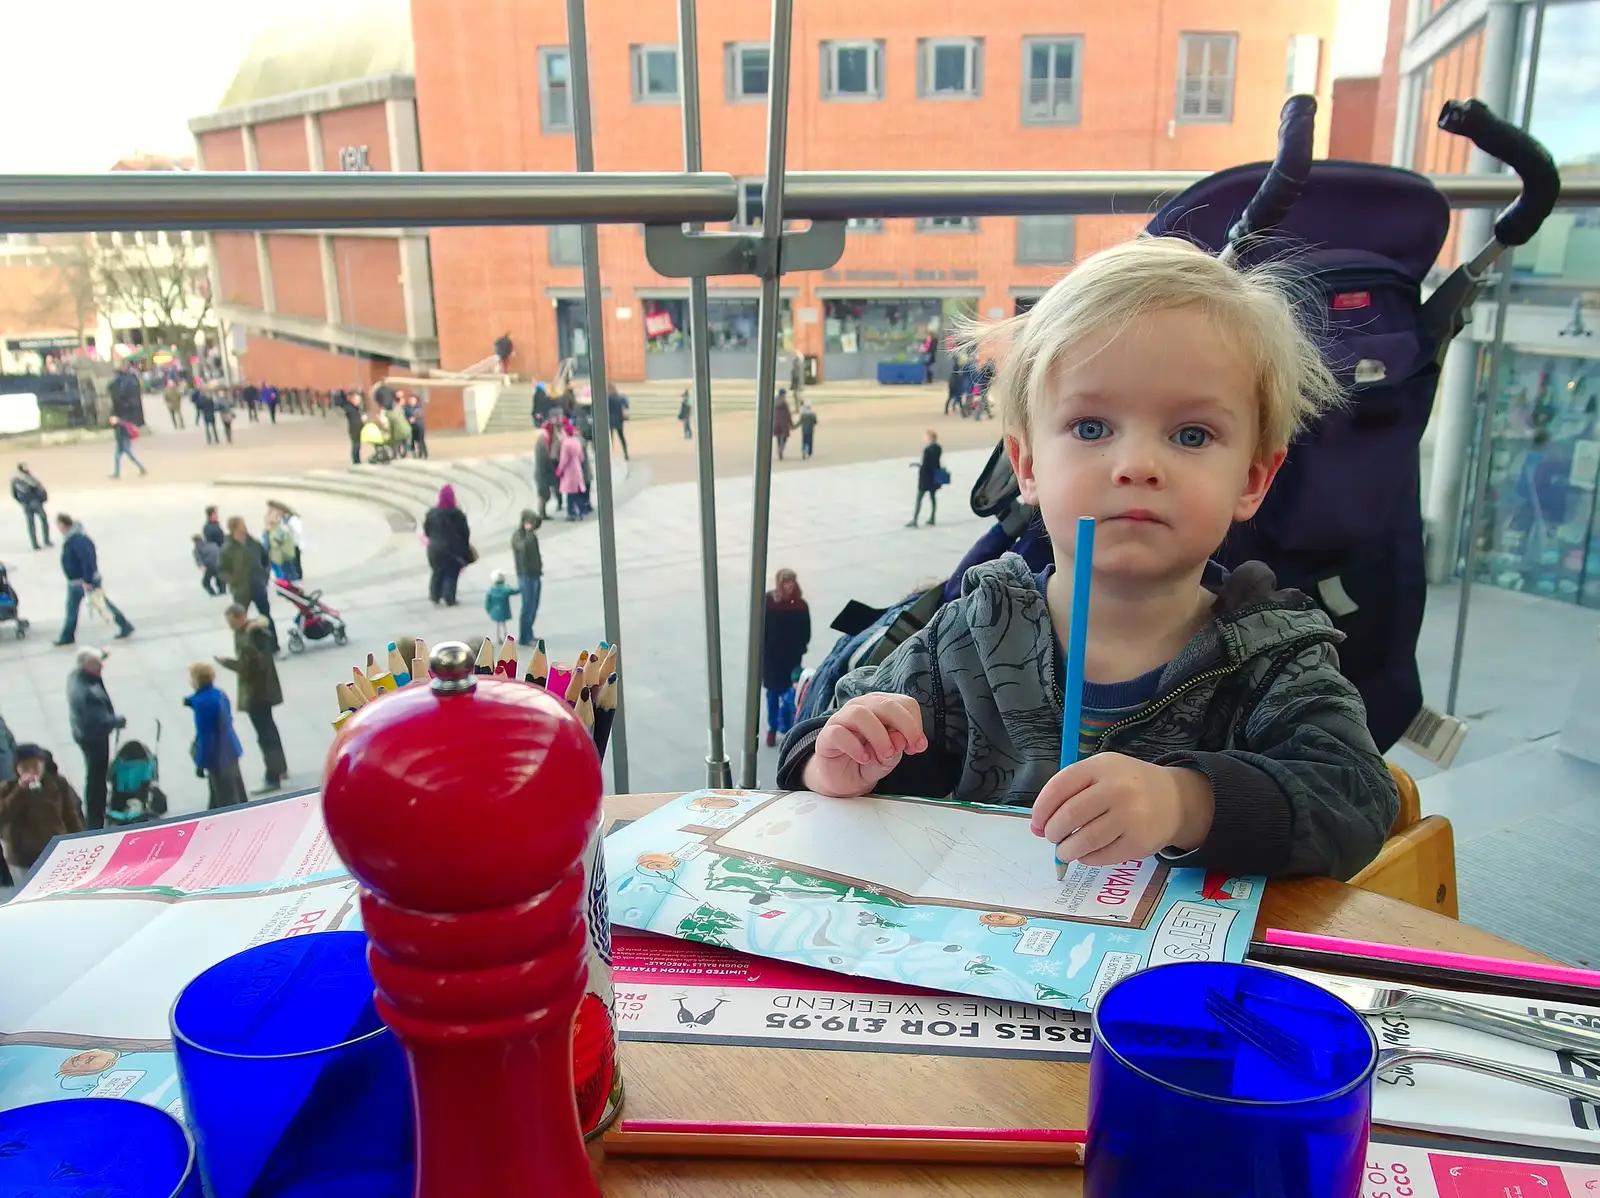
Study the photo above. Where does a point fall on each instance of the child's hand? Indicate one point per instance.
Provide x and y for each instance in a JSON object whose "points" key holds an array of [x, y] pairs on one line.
{"points": [[1110, 808], [862, 742]]}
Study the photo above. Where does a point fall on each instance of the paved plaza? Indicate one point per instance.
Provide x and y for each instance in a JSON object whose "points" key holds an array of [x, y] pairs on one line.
{"points": [[837, 520]]}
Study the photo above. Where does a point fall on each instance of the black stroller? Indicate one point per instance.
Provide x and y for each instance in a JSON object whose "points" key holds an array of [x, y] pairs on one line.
{"points": [[1343, 520], [135, 775], [9, 604]]}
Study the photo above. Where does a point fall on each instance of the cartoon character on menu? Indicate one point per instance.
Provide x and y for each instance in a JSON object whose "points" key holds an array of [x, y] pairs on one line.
{"points": [[80, 1073], [1003, 923], [712, 803], [1215, 885]]}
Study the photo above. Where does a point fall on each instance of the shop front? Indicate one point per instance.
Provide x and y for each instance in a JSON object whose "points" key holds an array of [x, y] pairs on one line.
{"points": [[731, 329], [572, 333], [860, 332]]}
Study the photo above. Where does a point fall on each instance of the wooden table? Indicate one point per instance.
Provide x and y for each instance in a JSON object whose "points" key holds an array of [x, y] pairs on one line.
{"points": [[718, 1082]]}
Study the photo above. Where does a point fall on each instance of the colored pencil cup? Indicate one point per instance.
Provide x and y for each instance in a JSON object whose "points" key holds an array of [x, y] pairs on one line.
{"points": [[95, 1148], [1211, 1080], [291, 1083]]}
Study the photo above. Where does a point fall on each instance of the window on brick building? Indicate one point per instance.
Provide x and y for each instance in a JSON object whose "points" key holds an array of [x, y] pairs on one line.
{"points": [[949, 68], [852, 70], [1205, 77], [1044, 240], [555, 90], [655, 74], [1050, 80], [747, 67], [947, 224], [566, 245], [864, 224]]}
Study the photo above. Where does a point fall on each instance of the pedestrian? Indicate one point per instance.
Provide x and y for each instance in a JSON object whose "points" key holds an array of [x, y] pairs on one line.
{"points": [[784, 639], [251, 395], [399, 430], [269, 398], [502, 350], [450, 551], [569, 472], [244, 568], [173, 395], [278, 541], [797, 375], [497, 603], [226, 405], [81, 566], [253, 660], [683, 416], [544, 466], [352, 422], [208, 557], [781, 421], [930, 351], [930, 477], [125, 434], [29, 492], [216, 750], [205, 412], [529, 563], [419, 427], [297, 532], [212, 529], [960, 380], [617, 410], [808, 428], [93, 720], [36, 807]]}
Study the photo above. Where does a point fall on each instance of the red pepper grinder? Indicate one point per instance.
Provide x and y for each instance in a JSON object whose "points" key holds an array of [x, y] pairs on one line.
{"points": [[464, 808]]}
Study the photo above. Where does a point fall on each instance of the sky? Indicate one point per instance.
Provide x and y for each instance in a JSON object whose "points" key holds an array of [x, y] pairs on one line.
{"points": [[79, 103]]}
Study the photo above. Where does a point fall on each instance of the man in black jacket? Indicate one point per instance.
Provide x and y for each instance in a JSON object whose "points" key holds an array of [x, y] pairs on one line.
{"points": [[30, 493], [352, 422], [81, 566], [93, 721]]}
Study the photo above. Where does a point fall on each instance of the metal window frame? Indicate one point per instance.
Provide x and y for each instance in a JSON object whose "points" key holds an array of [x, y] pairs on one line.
{"points": [[878, 87], [1201, 118], [868, 225], [928, 224], [733, 72], [1029, 42], [1072, 241], [639, 75], [554, 235], [928, 47], [546, 124]]}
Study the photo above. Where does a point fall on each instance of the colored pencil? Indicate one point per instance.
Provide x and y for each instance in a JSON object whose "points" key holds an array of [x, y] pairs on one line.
{"points": [[605, 715], [592, 677], [575, 683], [846, 1142], [556, 681], [339, 720], [1077, 640], [362, 684], [419, 661], [585, 708], [506, 664], [347, 696], [383, 681], [397, 666], [539, 667], [485, 662]]}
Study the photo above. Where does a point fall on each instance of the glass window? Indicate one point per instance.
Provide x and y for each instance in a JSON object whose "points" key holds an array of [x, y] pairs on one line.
{"points": [[1301, 64], [852, 70], [864, 224], [1044, 240], [1050, 81], [883, 328], [948, 67], [655, 74], [748, 66], [1205, 77], [750, 203], [947, 224], [566, 245], [555, 94], [666, 326]]}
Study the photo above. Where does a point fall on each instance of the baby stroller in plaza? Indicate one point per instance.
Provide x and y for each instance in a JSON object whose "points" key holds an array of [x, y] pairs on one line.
{"points": [[313, 619], [136, 796], [1343, 520], [9, 605]]}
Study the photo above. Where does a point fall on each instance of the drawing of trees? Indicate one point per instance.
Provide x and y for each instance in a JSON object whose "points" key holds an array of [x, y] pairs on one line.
{"points": [[767, 877], [708, 925]]}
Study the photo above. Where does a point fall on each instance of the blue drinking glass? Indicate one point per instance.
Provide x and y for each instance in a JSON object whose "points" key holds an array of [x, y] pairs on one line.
{"points": [[95, 1148], [292, 1085], [1215, 1080]]}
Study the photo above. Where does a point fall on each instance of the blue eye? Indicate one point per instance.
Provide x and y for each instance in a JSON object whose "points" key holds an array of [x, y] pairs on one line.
{"points": [[1090, 430], [1192, 437]]}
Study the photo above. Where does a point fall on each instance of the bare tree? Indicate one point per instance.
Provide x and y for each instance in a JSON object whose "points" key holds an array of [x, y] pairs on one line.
{"points": [[73, 284], [161, 286]]}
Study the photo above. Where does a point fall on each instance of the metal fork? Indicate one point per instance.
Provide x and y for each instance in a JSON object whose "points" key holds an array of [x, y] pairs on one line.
{"points": [[1295, 1054]]}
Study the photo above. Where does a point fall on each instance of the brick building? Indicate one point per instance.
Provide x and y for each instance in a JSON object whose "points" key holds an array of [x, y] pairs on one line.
{"points": [[324, 309], [899, 84]]}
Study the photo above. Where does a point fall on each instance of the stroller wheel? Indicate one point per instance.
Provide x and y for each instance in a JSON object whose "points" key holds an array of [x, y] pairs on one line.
{"points": [[339, 636], [297, 643]]}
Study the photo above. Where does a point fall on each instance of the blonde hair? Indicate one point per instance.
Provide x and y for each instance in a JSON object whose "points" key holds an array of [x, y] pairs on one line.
{"points": [[1154, 274], [201, 674]]}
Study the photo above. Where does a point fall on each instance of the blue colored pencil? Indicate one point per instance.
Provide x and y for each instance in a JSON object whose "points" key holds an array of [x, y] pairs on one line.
{"points": [[1077, 639]]}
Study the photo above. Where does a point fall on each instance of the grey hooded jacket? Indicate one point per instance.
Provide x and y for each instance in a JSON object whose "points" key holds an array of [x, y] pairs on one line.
{"points": [[1255, 702]]}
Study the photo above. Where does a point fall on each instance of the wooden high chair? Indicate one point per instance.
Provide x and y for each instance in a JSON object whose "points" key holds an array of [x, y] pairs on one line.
{"points": [[1417, 864]]}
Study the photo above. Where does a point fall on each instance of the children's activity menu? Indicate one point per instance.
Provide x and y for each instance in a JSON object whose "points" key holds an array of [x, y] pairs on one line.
{"points": [[1396, 1169], [931, 894], [111, 926]]}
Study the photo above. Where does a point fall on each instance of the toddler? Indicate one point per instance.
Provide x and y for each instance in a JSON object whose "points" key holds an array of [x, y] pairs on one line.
{"points": [[1157, 390], [497, 602]]}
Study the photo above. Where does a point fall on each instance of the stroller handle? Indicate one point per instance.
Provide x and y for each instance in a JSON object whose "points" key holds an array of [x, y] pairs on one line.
{"points": [[1286, 178], [1541, 181]]}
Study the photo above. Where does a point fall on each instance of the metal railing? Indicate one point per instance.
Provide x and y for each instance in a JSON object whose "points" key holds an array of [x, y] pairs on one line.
{"points": [[318, 200]]}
